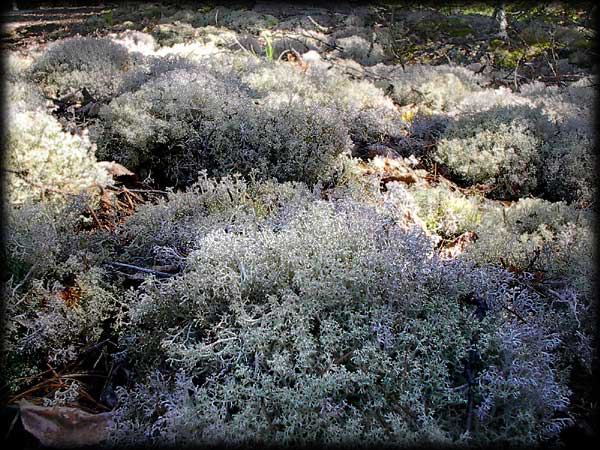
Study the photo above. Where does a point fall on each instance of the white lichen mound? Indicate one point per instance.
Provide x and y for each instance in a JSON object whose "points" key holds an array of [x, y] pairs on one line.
{"points": [[44, 161]]}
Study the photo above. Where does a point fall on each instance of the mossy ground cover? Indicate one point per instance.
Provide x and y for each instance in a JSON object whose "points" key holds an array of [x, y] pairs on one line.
{"points": [[538, 36], [249, 224]]}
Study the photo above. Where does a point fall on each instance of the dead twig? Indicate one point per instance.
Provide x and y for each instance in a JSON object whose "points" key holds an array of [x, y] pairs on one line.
{"points": [[141, 269], [96, 220], [244, 48], [514, 313], [52, 383], [267, 416], [337, 361], [23, 281], [332, 46], [555, 59], [320, 27], [386, 426], [516, 79]]}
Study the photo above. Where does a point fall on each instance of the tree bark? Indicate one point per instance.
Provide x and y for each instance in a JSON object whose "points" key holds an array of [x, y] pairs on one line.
{"points": [[501, 21]]}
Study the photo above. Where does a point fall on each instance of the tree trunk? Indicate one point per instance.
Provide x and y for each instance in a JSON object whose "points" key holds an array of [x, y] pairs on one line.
{"points": [[500, 18]]}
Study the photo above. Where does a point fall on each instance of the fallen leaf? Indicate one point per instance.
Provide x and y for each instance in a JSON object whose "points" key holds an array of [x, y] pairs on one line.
{"points": [[406, 178], [115, 169], [64, 427], [71, 296]]}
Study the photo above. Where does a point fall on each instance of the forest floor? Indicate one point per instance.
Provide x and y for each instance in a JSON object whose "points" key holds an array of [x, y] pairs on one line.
{"points": [[455, 35], [551, 45]]}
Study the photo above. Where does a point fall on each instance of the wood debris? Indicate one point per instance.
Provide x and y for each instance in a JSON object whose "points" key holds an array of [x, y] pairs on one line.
{"points": [[391, 169], [457, 246]]}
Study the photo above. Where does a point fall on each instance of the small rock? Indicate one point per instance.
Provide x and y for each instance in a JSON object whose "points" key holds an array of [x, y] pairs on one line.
{"points": [[563, 66], [579, 58], [311, 56], [475, 67]]}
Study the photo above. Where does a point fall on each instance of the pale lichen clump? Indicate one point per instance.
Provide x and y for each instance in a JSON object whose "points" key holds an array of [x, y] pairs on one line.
{"points": [[82, 62], [495, 138], [296, 327], [185, 121], [433, 88], [537, 235], [569, 157], [44, 161]]}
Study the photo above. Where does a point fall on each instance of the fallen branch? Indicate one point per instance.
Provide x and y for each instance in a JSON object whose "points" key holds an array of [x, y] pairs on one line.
{"points": [[245, 49], [332, 46], [320, 27], [96, 220]]}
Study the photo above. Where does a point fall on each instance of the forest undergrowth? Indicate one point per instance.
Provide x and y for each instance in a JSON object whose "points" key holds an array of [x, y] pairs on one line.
{"points": [[290, 225]]}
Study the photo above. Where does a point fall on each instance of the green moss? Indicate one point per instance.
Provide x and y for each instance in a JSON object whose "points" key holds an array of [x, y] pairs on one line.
{"points": [[461, 32], [108, 17], [454, 26], [409, 52], [508, 58], [271, 21], [495, 43], [583, 44], [152, 11], [478, 9]]}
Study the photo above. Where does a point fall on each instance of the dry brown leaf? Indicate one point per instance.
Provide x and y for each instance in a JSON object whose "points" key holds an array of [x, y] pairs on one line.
{"points": [[115, 169], [406, 178], [71, 296], [64, 427]]}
